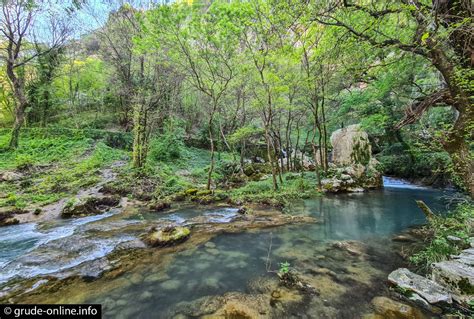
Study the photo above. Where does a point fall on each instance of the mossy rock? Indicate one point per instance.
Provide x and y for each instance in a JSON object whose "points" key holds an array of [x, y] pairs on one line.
{"points": [[220, 196], [203, 200], [88, 206], [159, 206], [167, 236], [116, 188], [257, 168], [209, 197], [178, 197], [257, 177], [7, 215], [191, 191], [144, 196], [249, 170], [7, 219], [204, 192]]}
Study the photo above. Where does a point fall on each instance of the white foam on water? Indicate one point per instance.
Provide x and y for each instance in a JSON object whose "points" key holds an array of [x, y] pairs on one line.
{"points": [[225, 215], [20, 240], [391, 182]]}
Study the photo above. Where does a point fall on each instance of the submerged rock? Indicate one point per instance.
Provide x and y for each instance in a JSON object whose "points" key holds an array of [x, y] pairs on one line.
{"points": [[391, 309], [168, 236], [88, 206], [239, 305], [353, 247], [427, 289], [92, 270]]}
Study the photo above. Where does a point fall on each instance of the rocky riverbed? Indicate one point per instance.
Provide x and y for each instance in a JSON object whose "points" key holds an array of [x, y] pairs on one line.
{"points": [[338, 247]]}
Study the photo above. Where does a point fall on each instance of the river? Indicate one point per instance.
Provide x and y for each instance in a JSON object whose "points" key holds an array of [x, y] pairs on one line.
{"points": [[172, 285]]}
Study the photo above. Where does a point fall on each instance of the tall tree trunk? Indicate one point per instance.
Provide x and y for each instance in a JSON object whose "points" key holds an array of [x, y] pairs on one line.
{"points": [[139, 137], [316, 166], [325, 134], [242, 154], [277, 150], [457, 147], [287, 136], [456, 142], [297, 145], [19, 120], [211, 140], [20, 105], [270, 157]]}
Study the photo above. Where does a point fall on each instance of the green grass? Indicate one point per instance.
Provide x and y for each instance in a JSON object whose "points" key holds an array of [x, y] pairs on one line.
{"points": [[41, 147], [55, 165], [458, 223]]}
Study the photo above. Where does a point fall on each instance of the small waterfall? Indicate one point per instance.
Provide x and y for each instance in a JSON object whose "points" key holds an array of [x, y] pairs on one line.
{"points": [[392, 182]]}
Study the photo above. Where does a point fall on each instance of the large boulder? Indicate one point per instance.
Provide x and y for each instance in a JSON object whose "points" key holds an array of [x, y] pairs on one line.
{"points": [[351, 146], [457, 275], [353, 169], [413, 283]]}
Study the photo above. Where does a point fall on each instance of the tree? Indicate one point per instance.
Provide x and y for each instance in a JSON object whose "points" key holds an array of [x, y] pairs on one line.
{"points": [[204, 45], [117, 49], [260, 39], [17, 19], [40, 89], [441, 33]]}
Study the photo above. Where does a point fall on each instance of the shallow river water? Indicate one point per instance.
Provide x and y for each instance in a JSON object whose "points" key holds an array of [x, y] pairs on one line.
{"points": [[169, 286]]}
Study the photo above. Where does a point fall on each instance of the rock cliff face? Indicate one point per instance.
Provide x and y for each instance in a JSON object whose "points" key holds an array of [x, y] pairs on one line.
{"points": [[353, 169]]}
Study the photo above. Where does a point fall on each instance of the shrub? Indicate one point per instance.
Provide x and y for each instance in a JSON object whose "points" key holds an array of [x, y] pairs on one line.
{"points": [[169, 145], [119, 140], [458, 223]]}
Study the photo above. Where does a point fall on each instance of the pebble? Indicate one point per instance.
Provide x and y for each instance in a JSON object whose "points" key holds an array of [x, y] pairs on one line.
{"points": [[210, 244], [171, 284], [146, 295], [121, 302], [212, 251], [136, 278]]}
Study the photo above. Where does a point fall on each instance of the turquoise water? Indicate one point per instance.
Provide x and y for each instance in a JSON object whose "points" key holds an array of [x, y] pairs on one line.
{"points": [[233, 262], [237, 262]]}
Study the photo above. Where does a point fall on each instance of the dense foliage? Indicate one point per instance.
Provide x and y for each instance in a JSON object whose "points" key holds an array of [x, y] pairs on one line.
{"points": [[252, 78]]}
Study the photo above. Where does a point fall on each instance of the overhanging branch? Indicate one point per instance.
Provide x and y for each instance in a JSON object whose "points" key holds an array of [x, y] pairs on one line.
{"points": [[415, 110]]}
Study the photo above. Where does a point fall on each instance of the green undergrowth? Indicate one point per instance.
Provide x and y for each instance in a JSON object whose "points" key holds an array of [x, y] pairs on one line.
{"points": [[188, 170], [294, 186], [52, 165], [38, 147], [55, 163], [458, 223]]}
